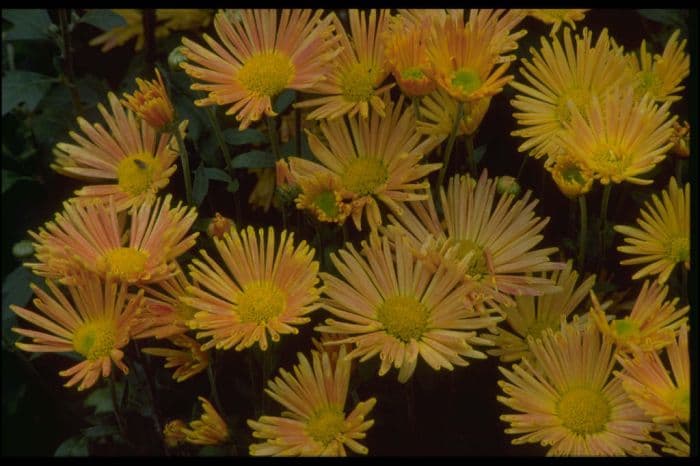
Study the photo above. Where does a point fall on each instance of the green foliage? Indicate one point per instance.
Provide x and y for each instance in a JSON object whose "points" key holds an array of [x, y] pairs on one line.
{"points": [[74, 446], [27, 24], [103, 19], [24, 87], [15, 290], [9, 178], [247, 136], [254, 159]]}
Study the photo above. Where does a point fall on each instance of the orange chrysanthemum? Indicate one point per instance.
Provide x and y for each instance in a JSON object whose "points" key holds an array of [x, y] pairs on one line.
{"points": [[407, 56], [151, 103], [558, 16], [189, 361], [129, 159], [94, 323], [260, 57], [93, 238], [353, 84], [209, 429], [267, 288], [315, 423]]}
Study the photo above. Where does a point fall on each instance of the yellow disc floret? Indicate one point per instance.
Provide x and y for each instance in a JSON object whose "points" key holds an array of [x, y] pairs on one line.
{"points": [[364, 175], [266, 74], [95, 340], [357, 83], [260, 302], [326, 424], [403, 317], [583, 411], [135, 173], [125, 263]]}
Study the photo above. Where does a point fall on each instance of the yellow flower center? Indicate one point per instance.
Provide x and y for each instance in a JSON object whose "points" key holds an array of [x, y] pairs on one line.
{"points": [[583, 411], [466, 79], [477, 264], [412, 74], [608, 160], [580, 98], [357, 82], [364, 175], [125, 263], [95, 340], [135, 173], [678, 249], [650, 82], [325, 425], [403, 317], [625, 329], [185, 312], [325, 202], [260, 302], [679, 399], [266, 74]]}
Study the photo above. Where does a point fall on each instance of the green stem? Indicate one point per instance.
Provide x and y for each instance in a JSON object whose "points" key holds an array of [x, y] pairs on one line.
{"points": [[450, 143], [604, 217], [152, 394], [185, 160], [679, 170], [68, 71], [522, 165], [470, 155], [410, 405], [272, 132], [214, 391], [416, 107], [218, 134], [115, 405], [582, 233]]}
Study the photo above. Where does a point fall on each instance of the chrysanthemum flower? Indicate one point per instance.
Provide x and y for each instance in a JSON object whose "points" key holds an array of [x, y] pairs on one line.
{"points": [[323, 195], [664, 237], [619, 138], [407, 55], [438, 111], [558, 16], [497, 28], [661, 76], [163, 314], [151, 103], [267, 288], [94, 238], [353, 84], [263, 193], [681, 139], [167, 20], [559, 74], [647, 381], [676, 442], [651, 324], [392, 305], [94, 323], [464, 59], [130, 160], [496, 241], [188, 361], [172, 433], [568, 400], [260, 57], [532, 315], [219, 225], [375, 158], [571, 176], [315, 423], [209, 429]]}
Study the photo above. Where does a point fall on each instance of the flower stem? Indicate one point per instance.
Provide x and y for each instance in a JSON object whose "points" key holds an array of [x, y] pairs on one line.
{"points": [[68, 71], [450, 143], [604, 218], [470, 155], [416, 107], [272, 131], [582, 233], [522, 165], [115, 405], [185, 160], [218, 134], [214, 391]]}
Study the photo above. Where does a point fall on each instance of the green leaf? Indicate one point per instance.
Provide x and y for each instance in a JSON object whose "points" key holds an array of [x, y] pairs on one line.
{"points": [[9, 178], [217, 174], [233, 186], [74, 446], [200, 185], [100, 431], [669, 17], [28, 24], [103, 19], [23, 86], [15, 290], [284, 100], [479, 153], [211, 450], [247, 136], [254, 159], [101, 398]]}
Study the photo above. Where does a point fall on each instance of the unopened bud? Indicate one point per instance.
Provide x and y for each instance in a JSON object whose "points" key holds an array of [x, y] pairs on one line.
{"points": [[175, 58], [681, 139], [22, 249], [219, 225], [508, 185]]}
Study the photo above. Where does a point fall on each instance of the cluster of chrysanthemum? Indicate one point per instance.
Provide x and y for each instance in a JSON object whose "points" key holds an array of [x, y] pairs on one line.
{"points": [[435, 280], [596, 112]]}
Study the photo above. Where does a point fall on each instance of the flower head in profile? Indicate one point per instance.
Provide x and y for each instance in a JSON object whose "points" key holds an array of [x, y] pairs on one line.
{"points": [[681, 139], [188, 361], [323, 196], [375, 158], [151, 103], [268, 287], [209, 429], [663, 239], [571, 176], [531, 316], [572, 69], [662, 75], [354, 83], [129, 162], [558, 16], [261, 56], [95, 323], [95, 238], [618, 138], [263, 193], [406, 53], [315, 422], [219, 225], [172, 433], [650, 325], [496, 237], [389, 304], [568, 400], [438, 111]]}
